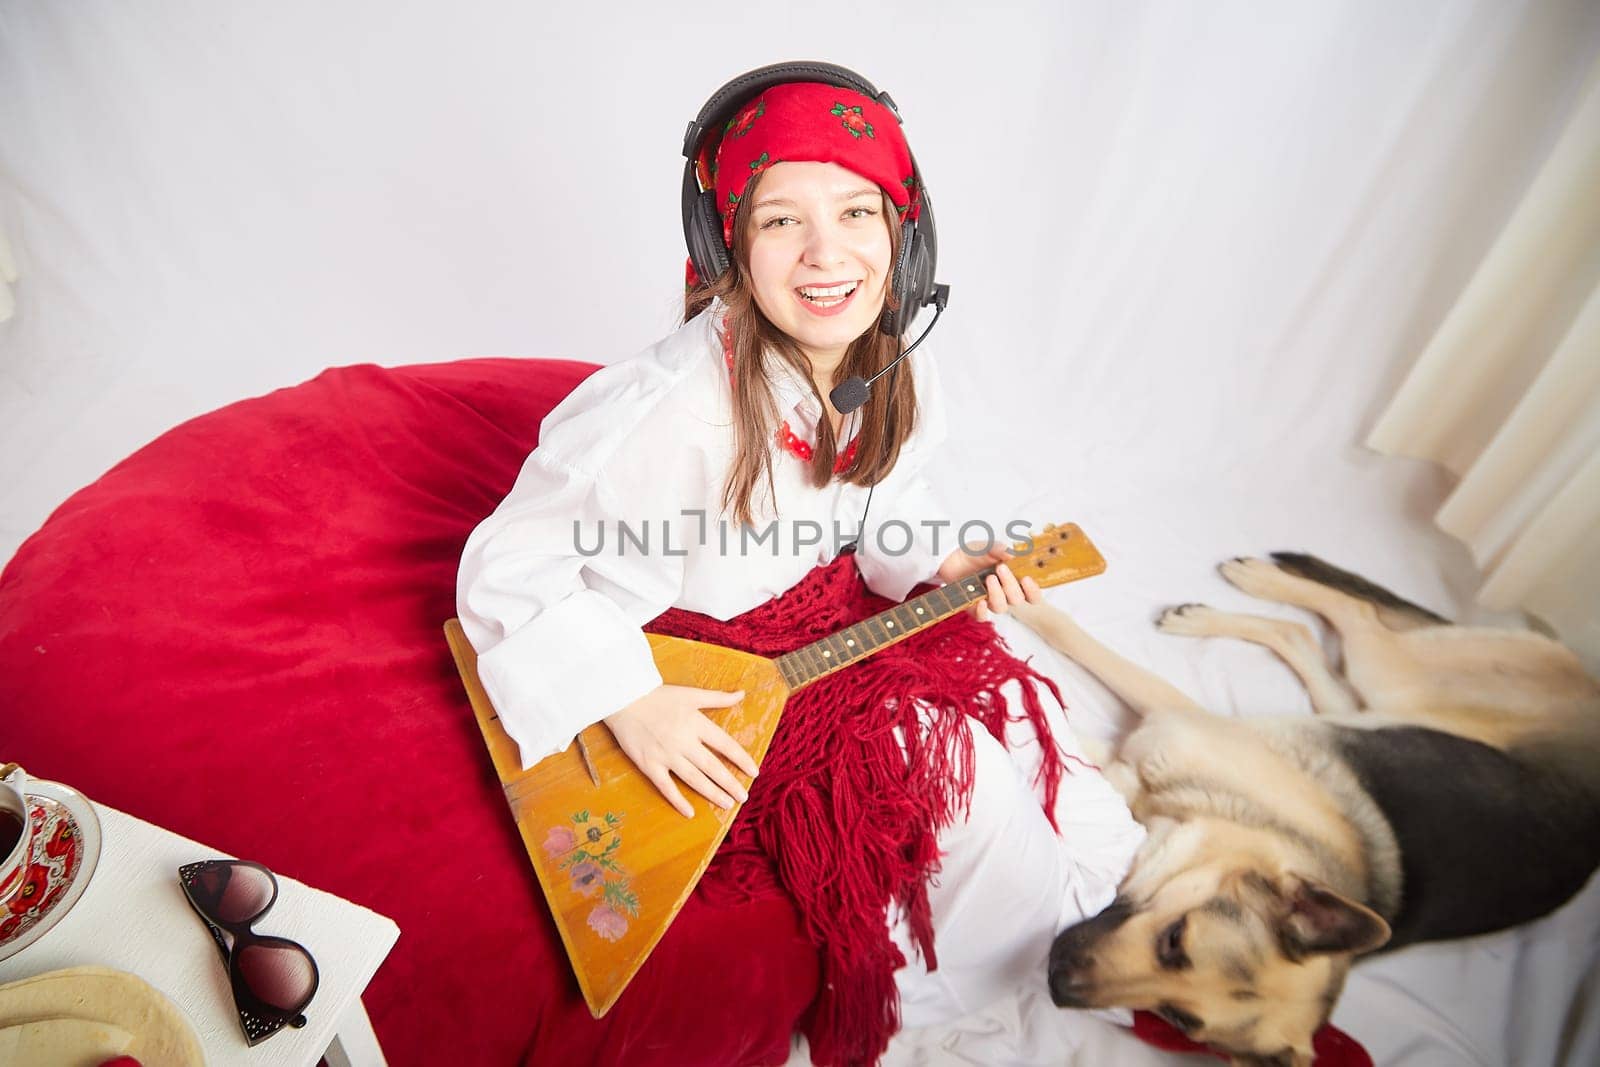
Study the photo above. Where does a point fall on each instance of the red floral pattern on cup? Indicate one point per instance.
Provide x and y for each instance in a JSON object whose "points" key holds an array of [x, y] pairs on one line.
{"points": [[35, 884], [62, 840], [57, 856]]}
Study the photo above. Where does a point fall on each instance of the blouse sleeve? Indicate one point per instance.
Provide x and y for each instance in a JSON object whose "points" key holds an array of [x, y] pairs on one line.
{"points": [[901, 546], [557, 623]]}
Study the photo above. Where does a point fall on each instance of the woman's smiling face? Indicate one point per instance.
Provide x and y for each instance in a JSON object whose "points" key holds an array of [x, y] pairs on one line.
{"points": [[819, 255]]}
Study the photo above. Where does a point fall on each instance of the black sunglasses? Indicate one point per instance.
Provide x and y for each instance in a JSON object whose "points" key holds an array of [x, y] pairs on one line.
{"points": [[273, 978]]}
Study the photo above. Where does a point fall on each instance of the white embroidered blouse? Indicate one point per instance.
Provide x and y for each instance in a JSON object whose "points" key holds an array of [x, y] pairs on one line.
{"points": [[616, 516]]}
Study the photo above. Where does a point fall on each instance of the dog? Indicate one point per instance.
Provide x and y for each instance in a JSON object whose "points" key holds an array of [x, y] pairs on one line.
{"points": [[1451, 788]]}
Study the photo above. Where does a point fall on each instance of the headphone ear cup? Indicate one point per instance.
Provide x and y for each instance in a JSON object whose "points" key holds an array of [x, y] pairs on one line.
{"points": [[913, 280], [709, 254]]}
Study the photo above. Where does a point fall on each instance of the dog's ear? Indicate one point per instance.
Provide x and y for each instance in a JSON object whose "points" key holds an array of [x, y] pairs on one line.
{"points": [[1316, 920]]}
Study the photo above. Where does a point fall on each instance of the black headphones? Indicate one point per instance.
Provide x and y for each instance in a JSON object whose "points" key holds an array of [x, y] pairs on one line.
{"points": [[702, 225]]}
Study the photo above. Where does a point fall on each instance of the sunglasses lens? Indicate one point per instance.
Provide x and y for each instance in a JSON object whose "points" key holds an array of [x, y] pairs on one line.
{"points": [[232, 892], [279, 973]]}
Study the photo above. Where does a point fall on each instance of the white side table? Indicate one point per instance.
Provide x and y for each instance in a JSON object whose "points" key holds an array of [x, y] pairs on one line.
{"points": [[134, 917]]}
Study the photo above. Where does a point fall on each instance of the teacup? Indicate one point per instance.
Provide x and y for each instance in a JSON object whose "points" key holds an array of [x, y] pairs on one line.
{"points": [[16, 829]]}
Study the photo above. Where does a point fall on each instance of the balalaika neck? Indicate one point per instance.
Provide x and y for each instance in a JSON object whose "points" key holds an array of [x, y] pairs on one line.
{"points": [[854, 643]]}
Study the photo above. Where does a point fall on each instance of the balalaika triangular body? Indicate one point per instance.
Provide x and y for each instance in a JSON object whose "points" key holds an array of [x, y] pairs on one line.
{"points": [[615, 860]]}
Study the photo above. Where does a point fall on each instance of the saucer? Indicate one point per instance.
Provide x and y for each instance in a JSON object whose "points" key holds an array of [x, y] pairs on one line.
{"points": [[65, 849]]}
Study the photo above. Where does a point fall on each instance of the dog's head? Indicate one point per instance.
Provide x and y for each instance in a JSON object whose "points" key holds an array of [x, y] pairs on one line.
{"points": [[1243, 959]]}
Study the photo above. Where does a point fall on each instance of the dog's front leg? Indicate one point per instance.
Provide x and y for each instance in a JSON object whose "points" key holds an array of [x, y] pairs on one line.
{"points": [[1292, 641]]}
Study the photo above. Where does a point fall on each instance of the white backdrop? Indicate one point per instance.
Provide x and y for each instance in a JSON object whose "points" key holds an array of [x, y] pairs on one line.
{"points": [[1178, 235], [1192, 248]]}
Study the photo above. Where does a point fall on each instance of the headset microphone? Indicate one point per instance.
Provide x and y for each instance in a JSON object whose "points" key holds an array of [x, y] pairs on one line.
{"points": [[853, 392]]}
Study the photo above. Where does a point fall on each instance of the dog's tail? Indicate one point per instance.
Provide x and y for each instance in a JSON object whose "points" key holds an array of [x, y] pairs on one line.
{"points": [[1397, 613]]}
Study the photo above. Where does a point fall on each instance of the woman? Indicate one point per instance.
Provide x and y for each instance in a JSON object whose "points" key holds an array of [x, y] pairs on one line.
{"points": [[725, 430]]}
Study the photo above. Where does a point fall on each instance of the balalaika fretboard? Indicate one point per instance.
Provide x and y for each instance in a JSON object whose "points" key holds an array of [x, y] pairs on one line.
{"points": [[808, 663]]}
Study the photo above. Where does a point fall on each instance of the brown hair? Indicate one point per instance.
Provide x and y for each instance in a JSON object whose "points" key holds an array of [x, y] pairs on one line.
{"points": [[888, 416]]}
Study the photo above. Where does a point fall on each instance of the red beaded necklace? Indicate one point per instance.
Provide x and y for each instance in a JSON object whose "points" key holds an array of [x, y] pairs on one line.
{"points": [[791, 441]]}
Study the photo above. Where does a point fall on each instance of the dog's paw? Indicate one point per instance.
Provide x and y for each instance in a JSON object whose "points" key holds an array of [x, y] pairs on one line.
{"points": [[1258, 577], [1189, 619]]}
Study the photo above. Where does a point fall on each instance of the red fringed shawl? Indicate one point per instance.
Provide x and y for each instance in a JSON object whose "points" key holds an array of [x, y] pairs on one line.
{"points": [[842, 817]]}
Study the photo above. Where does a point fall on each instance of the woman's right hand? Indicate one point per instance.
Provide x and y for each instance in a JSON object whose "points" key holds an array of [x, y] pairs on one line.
{"points": [[665, 733]]}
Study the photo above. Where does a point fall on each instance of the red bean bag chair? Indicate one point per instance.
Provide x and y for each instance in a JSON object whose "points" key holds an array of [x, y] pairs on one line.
{"points": [[235, 633]]}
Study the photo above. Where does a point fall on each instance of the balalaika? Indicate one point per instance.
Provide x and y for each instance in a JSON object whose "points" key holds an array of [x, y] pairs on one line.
{"points": [[615, 860]]}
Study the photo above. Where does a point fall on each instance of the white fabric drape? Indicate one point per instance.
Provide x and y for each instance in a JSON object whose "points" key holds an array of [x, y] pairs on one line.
{"points": [[1507, 396], [8, 274]]}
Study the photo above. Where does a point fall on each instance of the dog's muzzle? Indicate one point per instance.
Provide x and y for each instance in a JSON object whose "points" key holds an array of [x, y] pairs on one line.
{"points": [[1071, 970]]}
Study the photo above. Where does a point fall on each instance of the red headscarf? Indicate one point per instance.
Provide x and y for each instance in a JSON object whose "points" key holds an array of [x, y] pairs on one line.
{"points": [[812, 123]]}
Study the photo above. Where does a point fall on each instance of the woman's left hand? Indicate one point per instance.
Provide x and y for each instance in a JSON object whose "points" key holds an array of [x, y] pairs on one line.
{"points": [[1003, 588]]}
